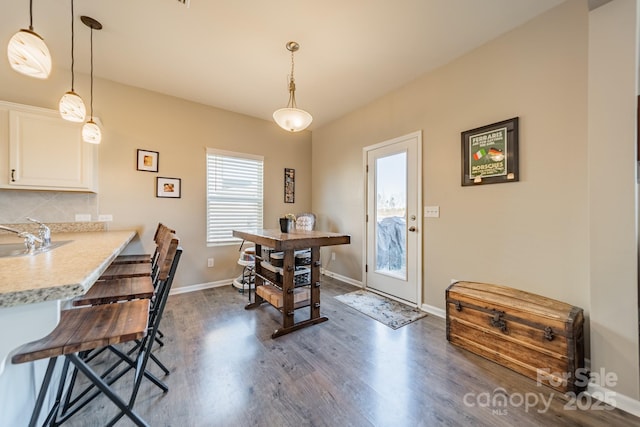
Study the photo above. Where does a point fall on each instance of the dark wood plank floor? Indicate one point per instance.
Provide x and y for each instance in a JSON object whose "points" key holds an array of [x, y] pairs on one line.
{"points": [[349, 371]]}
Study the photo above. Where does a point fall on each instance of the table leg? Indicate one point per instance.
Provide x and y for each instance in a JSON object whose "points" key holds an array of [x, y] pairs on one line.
{"points": [[288, 285], [258, 281], [315, 283]]}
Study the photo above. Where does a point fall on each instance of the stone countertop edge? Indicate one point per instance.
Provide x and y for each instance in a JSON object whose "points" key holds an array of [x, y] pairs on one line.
{"points": [[62, 273]]}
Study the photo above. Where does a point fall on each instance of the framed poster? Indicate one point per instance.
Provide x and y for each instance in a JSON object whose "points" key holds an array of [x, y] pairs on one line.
{"points": [[490, 153], [148, 160], [289, 185], [168, 187]]}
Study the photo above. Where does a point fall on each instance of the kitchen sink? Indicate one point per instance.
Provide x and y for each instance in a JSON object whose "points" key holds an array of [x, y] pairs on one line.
{"points": [[8, 250]]}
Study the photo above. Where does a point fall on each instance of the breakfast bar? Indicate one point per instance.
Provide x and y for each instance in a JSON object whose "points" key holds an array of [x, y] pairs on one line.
{"points": [[284, 290], [33, 288]]}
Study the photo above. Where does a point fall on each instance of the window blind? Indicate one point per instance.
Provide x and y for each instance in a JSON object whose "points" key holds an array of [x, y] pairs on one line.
{"points": [[234, 194]]}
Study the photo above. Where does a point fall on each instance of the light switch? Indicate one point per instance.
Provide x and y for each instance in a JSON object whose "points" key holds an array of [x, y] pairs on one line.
{"points": [[432, 211]]}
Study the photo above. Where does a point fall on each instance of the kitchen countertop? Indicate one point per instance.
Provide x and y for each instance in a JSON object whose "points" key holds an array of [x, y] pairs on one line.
{"points": [[61, 273]]}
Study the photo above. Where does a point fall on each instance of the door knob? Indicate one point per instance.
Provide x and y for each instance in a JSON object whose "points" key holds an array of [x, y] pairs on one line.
{"points": [[412, 228]]}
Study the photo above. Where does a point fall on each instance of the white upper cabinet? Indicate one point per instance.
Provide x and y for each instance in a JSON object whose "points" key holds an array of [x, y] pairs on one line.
{"points": [[44, 152]]}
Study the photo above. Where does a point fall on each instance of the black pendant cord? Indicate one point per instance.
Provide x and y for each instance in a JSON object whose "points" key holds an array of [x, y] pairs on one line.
{"points": [[31, 15], [91, 92], [72, 57], [93, 25]]}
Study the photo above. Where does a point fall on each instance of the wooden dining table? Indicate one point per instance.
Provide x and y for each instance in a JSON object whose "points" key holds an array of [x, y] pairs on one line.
{"points": [[288, 243]]}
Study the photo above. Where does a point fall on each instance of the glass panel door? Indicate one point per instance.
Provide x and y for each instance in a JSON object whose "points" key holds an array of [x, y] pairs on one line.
{"points": [[391, 215], [394, 198]]}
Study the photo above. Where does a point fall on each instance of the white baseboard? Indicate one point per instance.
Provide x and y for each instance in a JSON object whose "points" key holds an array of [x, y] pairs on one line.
{"points": [[615, 399], [431, 309], [341, 278], [225, 282], [200, 286]]}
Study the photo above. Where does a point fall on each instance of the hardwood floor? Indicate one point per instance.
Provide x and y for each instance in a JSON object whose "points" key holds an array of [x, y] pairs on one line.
{"points": [[349, 371]]}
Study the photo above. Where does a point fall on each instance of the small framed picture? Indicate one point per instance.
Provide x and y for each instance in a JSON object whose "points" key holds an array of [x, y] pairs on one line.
{"points": [[168, 187], [148, 160], [490, 154], [289, 185]]}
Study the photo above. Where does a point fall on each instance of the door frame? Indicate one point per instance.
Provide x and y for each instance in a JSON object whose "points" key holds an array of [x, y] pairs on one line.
{"points": [[420, 222]]}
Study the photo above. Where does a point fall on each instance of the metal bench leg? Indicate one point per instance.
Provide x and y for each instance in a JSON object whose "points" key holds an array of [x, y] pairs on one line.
{"points": [[43, 392], [108, 391]]}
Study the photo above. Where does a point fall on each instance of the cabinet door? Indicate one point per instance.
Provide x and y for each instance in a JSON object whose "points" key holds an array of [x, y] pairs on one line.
{"points": [[47, 152]]}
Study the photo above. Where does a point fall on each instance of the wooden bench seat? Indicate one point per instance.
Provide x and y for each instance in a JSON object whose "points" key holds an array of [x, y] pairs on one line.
{"points": [[133, 259], [116, 271], [109, 291], [87, 328]]}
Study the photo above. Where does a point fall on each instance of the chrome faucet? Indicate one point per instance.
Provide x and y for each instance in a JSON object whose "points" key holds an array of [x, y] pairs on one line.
{"points": [[29, 239], [44, 233]]}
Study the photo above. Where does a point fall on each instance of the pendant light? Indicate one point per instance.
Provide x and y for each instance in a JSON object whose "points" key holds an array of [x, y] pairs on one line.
{"points": [[292, 118], [91, 131], [71, 105], [27, 52]]}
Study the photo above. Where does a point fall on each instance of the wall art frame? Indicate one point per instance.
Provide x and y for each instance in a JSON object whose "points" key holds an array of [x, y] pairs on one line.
{"points": [[148, 161], [168, 187], [289, 185], [490, 153]]}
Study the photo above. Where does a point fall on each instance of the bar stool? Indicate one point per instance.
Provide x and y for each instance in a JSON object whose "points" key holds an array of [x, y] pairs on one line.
{"points": [[125, 267], [96, 327], [145, 258], [84, 329]]}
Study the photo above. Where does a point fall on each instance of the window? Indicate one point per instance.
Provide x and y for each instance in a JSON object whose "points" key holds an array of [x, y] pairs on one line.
{"points": [[234, 194]]}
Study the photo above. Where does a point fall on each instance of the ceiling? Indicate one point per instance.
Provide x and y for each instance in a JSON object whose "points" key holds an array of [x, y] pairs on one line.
{"points": [[231, 53]]}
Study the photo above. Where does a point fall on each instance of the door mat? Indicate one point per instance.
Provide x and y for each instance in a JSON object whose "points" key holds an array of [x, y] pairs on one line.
{"points": [[384, 310]]}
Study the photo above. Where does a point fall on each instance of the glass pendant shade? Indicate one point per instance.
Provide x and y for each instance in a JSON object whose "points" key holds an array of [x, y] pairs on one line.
{"points": [[292, 119], [28, 54], [72, 107], [91, 132]]}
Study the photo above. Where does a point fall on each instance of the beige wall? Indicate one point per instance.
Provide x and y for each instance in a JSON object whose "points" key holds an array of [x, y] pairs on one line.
{"points": [[528, 234], [180, 131], [613, 261], [533, 234]]}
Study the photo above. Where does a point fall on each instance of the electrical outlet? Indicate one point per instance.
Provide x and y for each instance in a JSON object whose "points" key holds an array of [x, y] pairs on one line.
{"points": [[83, 217], [333, 256], [105, 217], [210, 262]]}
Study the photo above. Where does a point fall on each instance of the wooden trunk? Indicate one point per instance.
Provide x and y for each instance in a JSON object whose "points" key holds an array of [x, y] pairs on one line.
{"points": [[536, 336]]}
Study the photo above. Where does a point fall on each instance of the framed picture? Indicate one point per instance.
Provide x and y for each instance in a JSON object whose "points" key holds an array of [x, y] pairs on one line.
{"points": [[490, 153], [168, 187], [148, 160], [289, 185]]}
